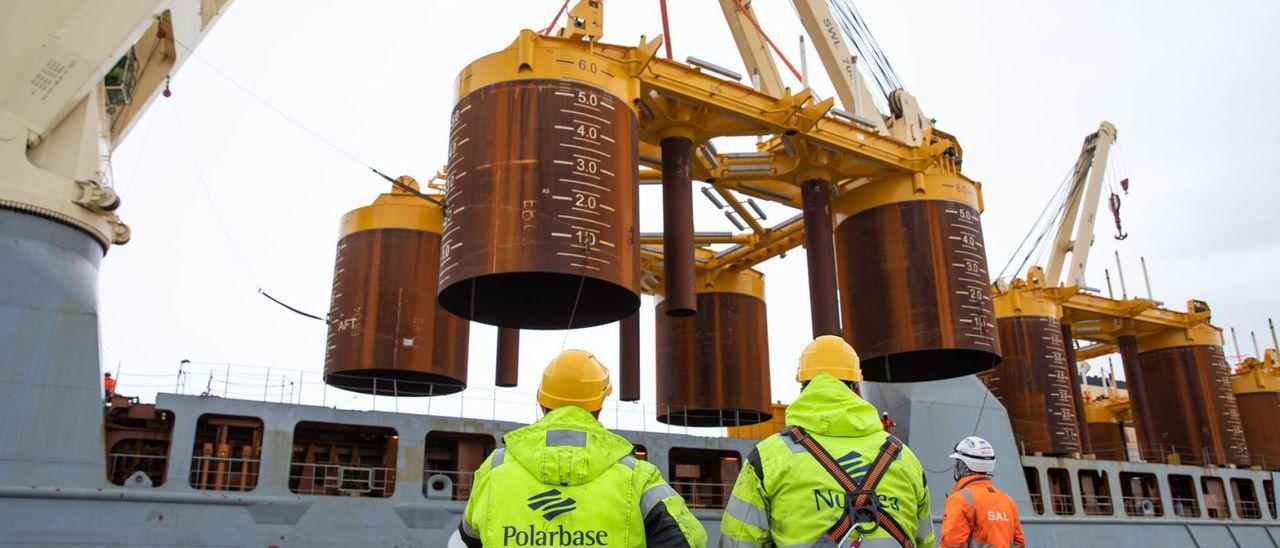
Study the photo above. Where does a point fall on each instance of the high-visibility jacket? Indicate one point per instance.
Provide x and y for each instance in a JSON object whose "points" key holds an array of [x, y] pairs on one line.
{"points": [[567, 481], [980, 515], [109, 384], [784, 497]]}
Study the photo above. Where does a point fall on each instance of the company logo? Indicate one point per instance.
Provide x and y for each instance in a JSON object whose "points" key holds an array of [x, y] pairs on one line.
{"points": [[551, 504], [851, 463]]}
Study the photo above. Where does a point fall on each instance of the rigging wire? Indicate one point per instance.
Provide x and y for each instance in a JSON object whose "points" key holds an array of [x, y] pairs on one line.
{"points": [[217, 216], [666, 29], [146, 138], [1039, 218], [304, 128], [563, 7]]}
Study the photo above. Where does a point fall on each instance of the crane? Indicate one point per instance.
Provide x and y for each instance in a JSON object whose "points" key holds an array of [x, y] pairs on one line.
{"points": [[1082, 205]]}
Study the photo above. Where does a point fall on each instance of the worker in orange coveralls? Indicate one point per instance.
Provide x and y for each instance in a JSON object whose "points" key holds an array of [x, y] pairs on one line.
{"points": [[108, 386], [978, 513]]}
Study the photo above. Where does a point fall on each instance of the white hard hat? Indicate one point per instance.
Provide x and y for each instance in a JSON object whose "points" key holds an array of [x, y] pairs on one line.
{"points": [[976, 453]]}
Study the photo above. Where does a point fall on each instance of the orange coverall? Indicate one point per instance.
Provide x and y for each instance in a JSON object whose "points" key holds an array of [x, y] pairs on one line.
{"points": [[980, 515]]}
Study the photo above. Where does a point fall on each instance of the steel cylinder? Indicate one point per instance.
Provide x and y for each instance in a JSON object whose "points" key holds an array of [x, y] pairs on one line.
{"points": [[1260, 418], [824, 313], [1141, 410], [629, 358], [1034, 385], [387, 333], [1192, 407], [914, 295], [713, 367], [1108, 440], [677, 227], [541, 224], [507, 372]]}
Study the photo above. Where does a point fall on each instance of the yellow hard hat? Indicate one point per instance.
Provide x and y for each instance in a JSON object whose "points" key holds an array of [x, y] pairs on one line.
{"points": [[575, 377], [831, 355]]}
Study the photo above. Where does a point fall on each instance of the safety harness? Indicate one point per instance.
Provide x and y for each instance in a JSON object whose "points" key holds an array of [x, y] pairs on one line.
{"points": [[861, 503]]}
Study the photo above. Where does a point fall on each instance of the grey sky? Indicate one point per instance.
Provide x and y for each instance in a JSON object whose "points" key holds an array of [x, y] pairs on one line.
{"points": [[1190, 87]]}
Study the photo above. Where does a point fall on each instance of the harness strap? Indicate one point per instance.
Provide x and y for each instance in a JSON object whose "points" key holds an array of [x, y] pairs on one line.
{"points": [[861, 503]]}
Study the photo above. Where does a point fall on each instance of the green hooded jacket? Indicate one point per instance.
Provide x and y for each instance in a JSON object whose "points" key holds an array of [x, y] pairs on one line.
{"points": [[567, 481], [784, 498]]}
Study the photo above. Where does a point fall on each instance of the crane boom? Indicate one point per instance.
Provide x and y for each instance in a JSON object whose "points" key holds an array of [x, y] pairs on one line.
{"points": [[754, 51], [1082, 204]]}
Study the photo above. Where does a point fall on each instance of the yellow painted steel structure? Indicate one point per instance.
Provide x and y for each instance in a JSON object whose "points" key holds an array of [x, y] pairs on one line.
{"points": [[1254, 375], [803, 139]]}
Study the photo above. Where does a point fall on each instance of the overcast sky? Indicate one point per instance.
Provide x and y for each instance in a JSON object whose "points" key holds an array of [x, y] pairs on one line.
{"points": [[1190, 87]]}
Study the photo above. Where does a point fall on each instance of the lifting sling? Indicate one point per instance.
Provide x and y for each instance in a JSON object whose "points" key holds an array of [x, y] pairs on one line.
{"points": [[861, 504]]}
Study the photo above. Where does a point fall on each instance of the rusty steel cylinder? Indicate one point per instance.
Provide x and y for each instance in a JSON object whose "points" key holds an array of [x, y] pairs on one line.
{"points": [[1192, 408], [1033, 383], [1260, 417], [629, 358], [1108, 440], [1127, 347], [914, 295], [1077, 390], [677, 227], [541, 226], [387, 333], [713, 367], [824, 308], [507, 373]]}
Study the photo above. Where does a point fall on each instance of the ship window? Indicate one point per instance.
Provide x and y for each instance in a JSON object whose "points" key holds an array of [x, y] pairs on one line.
{"points": [[138, 437], [227, 453], [1095, 493], [704, 477], [1215, 498], [450, 461], [1033, 486], [343, 460], [1246, 496], [640, 452], [1269, 489], [1182, 494], [1060, 492], [1140, 494]]}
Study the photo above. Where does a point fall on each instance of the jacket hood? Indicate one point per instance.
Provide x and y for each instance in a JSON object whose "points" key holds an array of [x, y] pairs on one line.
{"points": [[567, 447], [828, 407]]}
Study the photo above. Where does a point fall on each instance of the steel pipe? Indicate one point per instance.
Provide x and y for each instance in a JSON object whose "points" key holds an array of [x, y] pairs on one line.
{"points": [[824, 310], [1147, 440], [629, 357], [677, 228], [508, 370]]}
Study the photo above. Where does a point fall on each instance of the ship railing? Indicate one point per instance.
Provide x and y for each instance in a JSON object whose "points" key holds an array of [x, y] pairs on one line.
{"points": [[1097, 506], [1062, 504], [1143, 506], [447, 484], [1249, 509], [1185, 507], [293, 386], [122, 465], [224, 473], [342, 480], [1037, 503], [698, 494]]}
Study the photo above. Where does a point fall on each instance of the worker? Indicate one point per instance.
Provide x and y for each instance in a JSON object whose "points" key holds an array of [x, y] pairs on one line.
{"points": [[978, 513], [108, 386], [799, 487], [886, 422], [567, 481]]}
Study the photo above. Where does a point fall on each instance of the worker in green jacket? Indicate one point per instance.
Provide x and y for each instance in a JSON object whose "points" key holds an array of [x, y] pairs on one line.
{"points": [[833, 476], [567, 481]]}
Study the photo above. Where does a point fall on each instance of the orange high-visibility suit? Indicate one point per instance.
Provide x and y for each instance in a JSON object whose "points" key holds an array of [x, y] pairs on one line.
{"points": [[980, 515]]}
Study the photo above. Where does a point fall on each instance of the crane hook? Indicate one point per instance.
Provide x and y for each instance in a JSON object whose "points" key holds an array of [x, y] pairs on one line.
{"points": [[1115, 212]]}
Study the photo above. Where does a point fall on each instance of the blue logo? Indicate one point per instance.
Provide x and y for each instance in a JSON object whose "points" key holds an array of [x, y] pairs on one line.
{"points": [[551, 504]]}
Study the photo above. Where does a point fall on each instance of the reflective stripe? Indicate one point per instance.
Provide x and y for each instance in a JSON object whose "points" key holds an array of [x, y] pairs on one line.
{"points": [[980, 544], [878, 542], [654, 497], [566, 438], [467, 529], [968, 497], [747, 513], [496, 460], [629, 462], [792, 444], [727, 541]]}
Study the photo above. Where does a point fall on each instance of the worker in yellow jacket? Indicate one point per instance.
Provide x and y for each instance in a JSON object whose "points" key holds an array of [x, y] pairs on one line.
{"points": [[833, 475], [567, 481]]}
